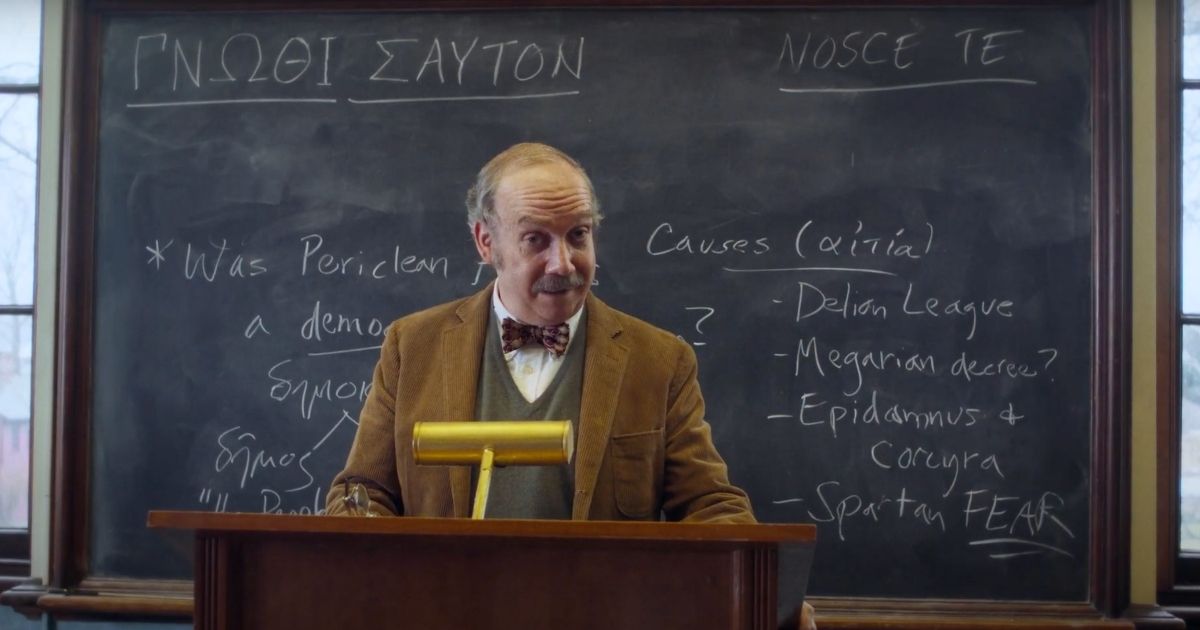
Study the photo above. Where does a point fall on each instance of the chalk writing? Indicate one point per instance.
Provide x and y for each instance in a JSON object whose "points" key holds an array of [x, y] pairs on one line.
{"points": [[245, 68], [522, 61], [833, 56], [1030, 525], [239, 450], [184, 62], [662, 241], [308, 392], [855, 47], [873, 283], [362, 265]]}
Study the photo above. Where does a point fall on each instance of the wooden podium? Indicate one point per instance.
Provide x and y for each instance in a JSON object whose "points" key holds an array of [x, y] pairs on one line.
{"points": [[257, 572]]}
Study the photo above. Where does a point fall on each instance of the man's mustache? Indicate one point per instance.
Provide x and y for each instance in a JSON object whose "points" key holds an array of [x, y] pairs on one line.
{"points": [[554, 283]]}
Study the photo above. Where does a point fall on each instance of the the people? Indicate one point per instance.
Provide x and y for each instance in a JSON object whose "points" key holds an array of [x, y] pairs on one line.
{"points": [[644, 449]]}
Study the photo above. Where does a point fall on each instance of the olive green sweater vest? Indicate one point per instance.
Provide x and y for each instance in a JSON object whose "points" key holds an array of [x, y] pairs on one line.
{"points": [[541, 492]]}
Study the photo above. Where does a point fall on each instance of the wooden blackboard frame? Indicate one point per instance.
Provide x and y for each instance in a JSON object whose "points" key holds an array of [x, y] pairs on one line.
{"points": [[71, 588]]}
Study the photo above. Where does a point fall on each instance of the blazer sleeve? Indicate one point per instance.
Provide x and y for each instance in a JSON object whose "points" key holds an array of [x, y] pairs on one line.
{"points": [[372, 458], [696, 484]]}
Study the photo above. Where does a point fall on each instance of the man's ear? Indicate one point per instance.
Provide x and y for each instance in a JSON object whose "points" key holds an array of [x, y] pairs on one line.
{"points": [[483, 241]]}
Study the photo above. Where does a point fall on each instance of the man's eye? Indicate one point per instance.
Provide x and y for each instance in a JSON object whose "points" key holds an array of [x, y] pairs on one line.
{"points": [[532, 239]]}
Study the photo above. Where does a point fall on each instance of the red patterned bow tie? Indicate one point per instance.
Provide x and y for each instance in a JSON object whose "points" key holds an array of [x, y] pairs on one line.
{"points": [[516, 335]]}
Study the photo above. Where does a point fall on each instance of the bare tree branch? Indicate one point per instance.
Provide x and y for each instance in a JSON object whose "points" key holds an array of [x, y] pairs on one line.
{"points": [[21, 151], [28, 155]]}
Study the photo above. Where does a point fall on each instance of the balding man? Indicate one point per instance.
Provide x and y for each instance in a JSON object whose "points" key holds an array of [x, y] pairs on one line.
{"points": [[536, 344]]}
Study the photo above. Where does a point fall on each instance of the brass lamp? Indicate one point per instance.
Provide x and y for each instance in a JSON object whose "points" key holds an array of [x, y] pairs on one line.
{"points": [[501, 443]]}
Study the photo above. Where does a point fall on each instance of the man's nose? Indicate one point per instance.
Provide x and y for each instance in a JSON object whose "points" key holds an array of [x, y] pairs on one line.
{"points": [[560, 259]]}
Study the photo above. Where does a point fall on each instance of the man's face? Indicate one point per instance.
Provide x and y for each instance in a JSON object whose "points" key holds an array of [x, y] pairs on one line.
{"points": [[541, 245]]}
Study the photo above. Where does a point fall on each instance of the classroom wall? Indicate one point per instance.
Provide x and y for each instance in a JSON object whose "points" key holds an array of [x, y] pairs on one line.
{"points": [[1144, 489], [1143, 294]]}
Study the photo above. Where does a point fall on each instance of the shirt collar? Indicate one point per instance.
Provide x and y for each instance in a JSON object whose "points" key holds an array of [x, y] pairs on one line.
{"points": [[502, 312]]}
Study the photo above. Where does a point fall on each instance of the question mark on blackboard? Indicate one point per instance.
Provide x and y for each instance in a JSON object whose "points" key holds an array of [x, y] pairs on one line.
{"points": [[1053, 355], [701, 320]]}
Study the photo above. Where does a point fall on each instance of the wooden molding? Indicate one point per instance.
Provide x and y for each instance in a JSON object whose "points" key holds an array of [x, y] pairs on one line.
{"points": [[23, 598], [1186, 614], [1152, 617], [878, 614], [1167, 302], [896, 622], [72, 388], [1112, 326], [73, 605], [104, 597]]}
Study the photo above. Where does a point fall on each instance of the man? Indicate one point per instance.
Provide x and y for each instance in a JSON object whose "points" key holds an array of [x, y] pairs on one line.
{"points": [[536, 344], [643, 446]]}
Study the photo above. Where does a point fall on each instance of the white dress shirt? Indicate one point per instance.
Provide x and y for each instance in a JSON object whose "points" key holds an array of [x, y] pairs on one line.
{"points": [[532, 366]]}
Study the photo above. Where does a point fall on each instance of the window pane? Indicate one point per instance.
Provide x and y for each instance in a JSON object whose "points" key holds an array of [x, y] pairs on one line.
{"points": [[16, 362], [21, 31], [18, 185], [1191, 39], [1189, 222]]}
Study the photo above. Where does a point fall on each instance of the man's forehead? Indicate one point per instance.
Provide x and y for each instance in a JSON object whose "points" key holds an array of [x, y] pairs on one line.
{"points": [[582, 216], [544, 193], [541, 175]]}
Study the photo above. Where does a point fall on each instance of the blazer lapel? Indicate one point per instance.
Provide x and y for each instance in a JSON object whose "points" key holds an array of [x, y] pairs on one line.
{"points": [[603, 371], [462, 349]]}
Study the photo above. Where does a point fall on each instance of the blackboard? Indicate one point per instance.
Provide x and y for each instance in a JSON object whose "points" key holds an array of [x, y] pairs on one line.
{"points": [[874, 227]]}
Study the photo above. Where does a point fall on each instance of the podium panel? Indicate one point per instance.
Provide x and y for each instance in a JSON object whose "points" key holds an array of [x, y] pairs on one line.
{"points": [[264, 572]]}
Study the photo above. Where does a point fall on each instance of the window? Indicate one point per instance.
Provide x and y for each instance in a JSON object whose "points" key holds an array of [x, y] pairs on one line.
{"points": [[1189, 281], [20, 30]]}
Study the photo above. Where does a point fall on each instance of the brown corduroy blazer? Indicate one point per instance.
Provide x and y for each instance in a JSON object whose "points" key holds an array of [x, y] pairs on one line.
{"points": [[643, 448]]}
